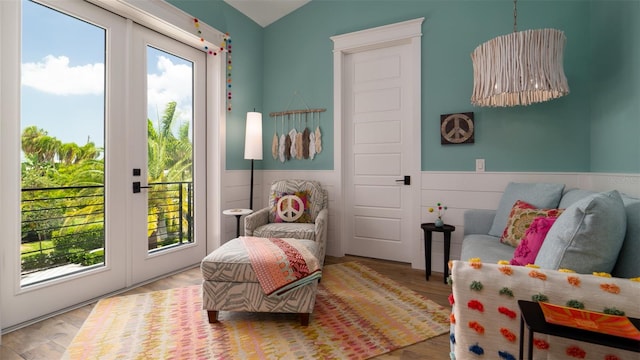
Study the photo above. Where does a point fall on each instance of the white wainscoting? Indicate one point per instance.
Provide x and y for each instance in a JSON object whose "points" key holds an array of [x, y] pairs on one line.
{"points": [[458, 190], [235, 195]]}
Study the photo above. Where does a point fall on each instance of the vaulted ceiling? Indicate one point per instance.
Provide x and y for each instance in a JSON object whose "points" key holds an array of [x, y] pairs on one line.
{"points": [[265, 12]]}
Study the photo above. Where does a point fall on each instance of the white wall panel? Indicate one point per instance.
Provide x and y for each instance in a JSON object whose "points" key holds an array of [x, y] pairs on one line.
{"points": [[377, 100], [377, 228], [377, 196], [377, 164], [368, 70], [377, 133], [235, 195], [625, 183]]}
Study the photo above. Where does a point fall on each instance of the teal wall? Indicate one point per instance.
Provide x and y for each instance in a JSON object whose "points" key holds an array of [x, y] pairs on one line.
{"points": [[615, 86], [247, 52], [580, 132]]}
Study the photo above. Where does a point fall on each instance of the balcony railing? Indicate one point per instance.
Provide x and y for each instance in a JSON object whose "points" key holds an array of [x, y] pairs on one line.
{"points": [[170, 215], [65, 225]]}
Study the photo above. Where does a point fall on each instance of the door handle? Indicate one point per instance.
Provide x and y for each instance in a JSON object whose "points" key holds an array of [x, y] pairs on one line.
{"points": [[406, 180], [137, 187]]}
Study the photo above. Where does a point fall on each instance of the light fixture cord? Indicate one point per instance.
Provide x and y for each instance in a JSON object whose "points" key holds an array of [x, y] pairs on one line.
{"points": [[515, 16]]}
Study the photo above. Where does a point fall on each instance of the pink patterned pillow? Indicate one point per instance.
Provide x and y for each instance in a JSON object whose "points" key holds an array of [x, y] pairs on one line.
{"points": [[530, 244], [520, 217]]}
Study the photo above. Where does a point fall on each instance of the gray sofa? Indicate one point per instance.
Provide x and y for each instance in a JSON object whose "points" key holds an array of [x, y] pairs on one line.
{"points": [[482, 230]]}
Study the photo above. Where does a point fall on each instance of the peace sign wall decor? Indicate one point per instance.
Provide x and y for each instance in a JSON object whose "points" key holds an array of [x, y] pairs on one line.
{"points": [[457, 128]]}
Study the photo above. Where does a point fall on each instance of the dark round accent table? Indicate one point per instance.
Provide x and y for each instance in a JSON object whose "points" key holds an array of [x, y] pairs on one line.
{"points": [[428, 229]]}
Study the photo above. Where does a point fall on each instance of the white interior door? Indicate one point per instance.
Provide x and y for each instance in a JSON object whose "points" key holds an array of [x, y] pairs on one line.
{"points": [[379, 117], [167, 136]]}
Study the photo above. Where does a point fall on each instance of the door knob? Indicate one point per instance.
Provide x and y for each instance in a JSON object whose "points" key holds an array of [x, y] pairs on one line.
{"points": [[406, 180]]}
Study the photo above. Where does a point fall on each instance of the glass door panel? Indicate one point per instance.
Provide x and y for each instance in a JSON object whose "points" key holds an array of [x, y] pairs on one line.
{"points": [[170, 150], [62, 141]]}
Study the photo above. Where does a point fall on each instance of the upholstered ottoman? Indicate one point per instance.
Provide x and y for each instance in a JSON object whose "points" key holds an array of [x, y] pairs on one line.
{"points": [[230, 284]]}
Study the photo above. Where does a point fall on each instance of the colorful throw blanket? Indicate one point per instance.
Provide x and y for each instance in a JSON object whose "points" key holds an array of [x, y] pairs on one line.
{"points": [[281, 265]]}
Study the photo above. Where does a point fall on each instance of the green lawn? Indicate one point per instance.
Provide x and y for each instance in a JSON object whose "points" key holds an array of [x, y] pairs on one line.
{"points": [[47, 247]]}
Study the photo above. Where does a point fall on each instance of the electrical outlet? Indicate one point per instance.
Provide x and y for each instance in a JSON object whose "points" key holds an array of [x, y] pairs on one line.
{"points": [[479, 165]]}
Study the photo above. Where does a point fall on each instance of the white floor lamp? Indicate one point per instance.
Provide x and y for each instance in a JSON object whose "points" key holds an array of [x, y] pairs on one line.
{"points": [[253, 144]]}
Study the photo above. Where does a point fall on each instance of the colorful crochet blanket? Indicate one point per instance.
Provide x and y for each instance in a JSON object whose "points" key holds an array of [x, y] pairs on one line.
{"points": [[486, 315], [281, 265]]}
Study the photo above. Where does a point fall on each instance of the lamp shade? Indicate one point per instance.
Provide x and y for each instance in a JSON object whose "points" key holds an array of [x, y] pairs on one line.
{"points": [[521, 68], [253, 136]]}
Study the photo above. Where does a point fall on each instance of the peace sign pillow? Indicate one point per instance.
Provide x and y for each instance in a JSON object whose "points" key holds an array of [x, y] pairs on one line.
{"points": [[290, 209]]}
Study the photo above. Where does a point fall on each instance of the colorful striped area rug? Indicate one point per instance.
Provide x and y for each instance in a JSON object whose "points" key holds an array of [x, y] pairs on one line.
{"points": [[358, 314]]}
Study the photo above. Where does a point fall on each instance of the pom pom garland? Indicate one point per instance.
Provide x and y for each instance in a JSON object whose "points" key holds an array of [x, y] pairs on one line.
{"points": [[225, 46]]}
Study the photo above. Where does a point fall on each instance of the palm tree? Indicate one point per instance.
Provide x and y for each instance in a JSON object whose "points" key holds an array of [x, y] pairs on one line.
{"points": [[73, 218], [38, 142], [88, 151], [68, 153], [170, 159]]}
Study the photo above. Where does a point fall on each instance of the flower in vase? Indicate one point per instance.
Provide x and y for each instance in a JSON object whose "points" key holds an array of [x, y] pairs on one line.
{"points": [[439, 209]]}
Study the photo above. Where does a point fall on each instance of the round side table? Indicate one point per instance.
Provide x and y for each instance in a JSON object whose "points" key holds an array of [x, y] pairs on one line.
{"points": [[428, 229], [238, 213]]}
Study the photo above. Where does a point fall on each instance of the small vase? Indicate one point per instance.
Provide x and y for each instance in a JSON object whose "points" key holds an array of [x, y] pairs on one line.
{"points": [[438, 222]]}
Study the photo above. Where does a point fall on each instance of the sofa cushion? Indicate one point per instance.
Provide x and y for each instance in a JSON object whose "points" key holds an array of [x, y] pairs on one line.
{"points": [[521, 215], [488, 248], [628, 265], [529, 247], [540, 195], [587, 237], [572, 195], [477, 221]]}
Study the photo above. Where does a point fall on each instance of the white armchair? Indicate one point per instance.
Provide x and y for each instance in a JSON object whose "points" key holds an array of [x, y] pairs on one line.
{"points": [[311, 226]]}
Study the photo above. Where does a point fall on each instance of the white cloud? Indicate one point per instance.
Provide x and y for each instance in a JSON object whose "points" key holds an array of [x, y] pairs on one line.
{"points": [[54, 75], [174, 83]]}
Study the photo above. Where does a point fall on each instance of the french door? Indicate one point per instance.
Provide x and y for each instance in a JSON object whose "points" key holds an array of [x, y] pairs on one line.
{"points": [[168, 148], [105, 104]]}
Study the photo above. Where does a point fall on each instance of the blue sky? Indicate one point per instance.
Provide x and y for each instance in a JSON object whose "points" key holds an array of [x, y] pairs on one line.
{"points": [[63, 77]]}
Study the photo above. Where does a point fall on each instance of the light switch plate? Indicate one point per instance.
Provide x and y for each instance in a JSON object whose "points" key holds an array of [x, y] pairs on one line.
{"points": [[479, 165]]}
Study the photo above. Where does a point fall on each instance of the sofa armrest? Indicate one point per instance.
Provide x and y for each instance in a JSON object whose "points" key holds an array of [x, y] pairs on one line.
{"points": [[321, 223], [478, 221], [486, 315], [255, 220]]}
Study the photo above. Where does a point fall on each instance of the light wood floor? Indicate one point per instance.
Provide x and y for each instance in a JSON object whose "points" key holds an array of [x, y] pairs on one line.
{"points": [[49, 338]]}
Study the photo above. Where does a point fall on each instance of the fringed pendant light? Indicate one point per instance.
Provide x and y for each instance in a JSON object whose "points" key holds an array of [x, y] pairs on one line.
{"points": [[521, 68]]}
